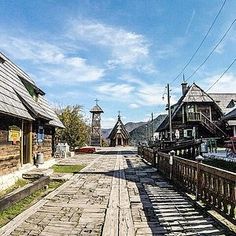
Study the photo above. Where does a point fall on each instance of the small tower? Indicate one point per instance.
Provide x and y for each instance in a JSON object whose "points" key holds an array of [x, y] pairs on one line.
{"points": [[96, 125]]}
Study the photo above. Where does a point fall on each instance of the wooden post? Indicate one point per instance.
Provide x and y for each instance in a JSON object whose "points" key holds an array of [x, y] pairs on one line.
{"points": [[198, 182], [30, 143], [169, 111], [22, 143], [171, 161]]}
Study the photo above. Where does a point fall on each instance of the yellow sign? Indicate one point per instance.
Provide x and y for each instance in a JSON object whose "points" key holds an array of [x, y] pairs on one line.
{"points": [[14, 134]]}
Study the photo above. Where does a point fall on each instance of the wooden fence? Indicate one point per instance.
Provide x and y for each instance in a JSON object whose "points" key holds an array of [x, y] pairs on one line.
{"points": [[214, 186]]}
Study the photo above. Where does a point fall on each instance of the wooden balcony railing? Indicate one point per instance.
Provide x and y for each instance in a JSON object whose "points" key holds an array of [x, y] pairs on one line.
{"points": [[214, 186], [193, 116], [205, 121]]}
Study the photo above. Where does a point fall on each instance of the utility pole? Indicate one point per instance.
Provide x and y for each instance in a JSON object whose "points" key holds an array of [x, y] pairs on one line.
{"points": [[169, 110], [152, 128]]}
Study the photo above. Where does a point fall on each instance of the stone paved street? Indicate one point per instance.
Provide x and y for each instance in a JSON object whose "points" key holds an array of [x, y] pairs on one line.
{"points": [[116, 194]]}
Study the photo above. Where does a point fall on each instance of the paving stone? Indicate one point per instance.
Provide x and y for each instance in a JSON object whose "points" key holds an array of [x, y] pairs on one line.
{"points": [[114, 195]]}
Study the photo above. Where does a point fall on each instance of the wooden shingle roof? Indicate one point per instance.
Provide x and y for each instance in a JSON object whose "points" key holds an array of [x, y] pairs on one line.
{"points": [[55, 121], [123, 130], [223, 100], [96, 109], [15, 99]]}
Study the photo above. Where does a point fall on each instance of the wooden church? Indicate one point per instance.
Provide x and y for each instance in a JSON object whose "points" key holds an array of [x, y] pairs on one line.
{"points": [[119, 136]]}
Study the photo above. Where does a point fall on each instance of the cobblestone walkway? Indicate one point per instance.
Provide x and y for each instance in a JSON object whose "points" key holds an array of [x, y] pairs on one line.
{"points": [[114, 195]]}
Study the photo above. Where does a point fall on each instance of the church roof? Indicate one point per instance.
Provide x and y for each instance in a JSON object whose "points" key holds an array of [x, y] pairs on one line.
{"points": [[119, 127], [97, 109]]}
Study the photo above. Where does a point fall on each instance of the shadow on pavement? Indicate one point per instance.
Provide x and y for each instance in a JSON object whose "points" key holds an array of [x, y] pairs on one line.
{"points": [[147, 180]]}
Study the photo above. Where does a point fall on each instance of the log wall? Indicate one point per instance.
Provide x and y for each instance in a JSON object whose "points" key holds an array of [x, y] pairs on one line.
{"points": [[9, 153], [46, 147]]}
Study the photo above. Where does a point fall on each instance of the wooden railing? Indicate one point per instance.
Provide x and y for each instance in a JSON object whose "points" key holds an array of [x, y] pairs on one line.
{"points": [[199, 116], [193, 116], [213, 186]]}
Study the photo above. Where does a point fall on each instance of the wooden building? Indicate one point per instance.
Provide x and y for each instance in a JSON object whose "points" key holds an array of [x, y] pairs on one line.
{"points": [[96, 134], [195, 115], [119, 136], [27, 122], [227, 103]]}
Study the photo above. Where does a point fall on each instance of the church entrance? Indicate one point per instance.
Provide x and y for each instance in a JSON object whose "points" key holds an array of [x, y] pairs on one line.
{"points": [[119, 142]]}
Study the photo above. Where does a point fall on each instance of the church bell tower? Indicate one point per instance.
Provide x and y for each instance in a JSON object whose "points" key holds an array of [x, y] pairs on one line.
{"points": [[96, 139]]}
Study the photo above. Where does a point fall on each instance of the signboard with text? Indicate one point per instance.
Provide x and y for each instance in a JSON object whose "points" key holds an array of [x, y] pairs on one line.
{"points": [[14, 134]]}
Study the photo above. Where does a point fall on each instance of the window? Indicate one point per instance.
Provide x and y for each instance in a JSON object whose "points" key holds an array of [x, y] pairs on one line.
{"points": [[2, 60], [231, 104], [30, 88], [191, 108], [188, 133]]}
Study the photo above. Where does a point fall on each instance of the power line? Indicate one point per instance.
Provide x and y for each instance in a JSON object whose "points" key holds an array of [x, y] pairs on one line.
{"points": [[221, 75], [208, 56], [201, 42]]}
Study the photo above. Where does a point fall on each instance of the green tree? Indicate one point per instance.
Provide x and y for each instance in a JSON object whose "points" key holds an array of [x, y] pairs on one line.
{"points": [[77, 131]]}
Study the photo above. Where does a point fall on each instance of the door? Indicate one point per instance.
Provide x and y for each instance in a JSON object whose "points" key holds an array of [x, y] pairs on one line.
{"points": [[119, 142], [27, 143]]}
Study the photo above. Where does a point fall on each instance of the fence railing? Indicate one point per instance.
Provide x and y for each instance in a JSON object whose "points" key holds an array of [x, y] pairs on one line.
{"points": [[213, 186]]}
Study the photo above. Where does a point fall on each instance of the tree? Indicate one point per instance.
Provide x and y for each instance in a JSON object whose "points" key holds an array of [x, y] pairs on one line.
{"points": [[77, 131]]}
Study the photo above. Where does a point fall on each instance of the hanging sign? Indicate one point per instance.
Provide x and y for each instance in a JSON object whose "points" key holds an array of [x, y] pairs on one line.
{"points": [[14, 134], [40, 134]]}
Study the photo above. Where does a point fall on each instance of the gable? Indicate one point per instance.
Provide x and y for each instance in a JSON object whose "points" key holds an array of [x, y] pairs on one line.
{"points": [[119, 128], [196, 94]]}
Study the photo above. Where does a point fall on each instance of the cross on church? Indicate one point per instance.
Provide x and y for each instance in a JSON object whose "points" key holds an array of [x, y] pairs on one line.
{"points": [[119, 113], [96, 100]]}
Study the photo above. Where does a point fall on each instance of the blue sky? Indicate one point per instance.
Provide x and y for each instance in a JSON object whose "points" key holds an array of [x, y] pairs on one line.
{"points": [[121, 52]]}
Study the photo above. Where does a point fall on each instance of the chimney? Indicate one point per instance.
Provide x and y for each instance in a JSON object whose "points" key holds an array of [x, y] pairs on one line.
{"points": [[184, 87]]}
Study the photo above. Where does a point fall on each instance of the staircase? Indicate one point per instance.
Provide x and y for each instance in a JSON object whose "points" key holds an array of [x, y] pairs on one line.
{"points": [[206, 122]]}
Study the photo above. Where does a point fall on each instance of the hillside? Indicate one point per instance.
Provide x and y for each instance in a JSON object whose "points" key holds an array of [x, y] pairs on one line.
{"points": [[105, 133], [140, 134], [131, 125]]}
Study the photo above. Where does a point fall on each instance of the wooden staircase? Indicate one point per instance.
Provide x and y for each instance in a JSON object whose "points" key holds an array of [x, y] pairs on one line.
{"points": [[206, 122]]}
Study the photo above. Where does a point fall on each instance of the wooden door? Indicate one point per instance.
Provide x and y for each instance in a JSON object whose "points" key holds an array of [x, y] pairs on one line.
{"points": [[27, 143]]}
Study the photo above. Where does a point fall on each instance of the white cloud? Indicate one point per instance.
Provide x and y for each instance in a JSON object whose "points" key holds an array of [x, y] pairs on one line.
{"points": [[33, 50], [190, 21], [54, 65], [128, 49], [131, 79], [115, 90], [108, 122], [150, 94], [226, 84], [134, 105]]}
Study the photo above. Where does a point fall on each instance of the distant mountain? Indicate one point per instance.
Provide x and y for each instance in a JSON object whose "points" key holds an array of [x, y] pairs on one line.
{"points": [[131, 125], [144, 132], [105, 133]]}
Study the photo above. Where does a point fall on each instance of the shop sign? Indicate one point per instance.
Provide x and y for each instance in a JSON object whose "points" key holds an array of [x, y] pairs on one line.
{"points": [[14, 134]]}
